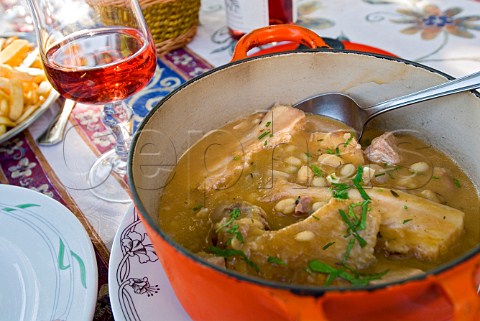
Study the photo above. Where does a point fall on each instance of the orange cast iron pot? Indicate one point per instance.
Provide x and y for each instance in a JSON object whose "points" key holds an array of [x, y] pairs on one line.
{"points": [[237, 89]]}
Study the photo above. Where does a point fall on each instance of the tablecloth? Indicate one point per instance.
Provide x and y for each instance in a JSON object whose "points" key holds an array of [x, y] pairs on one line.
{"points": [[442, 34]]}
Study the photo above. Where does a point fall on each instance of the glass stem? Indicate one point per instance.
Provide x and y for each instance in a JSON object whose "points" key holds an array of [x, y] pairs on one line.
{"points": [[116, 116]]}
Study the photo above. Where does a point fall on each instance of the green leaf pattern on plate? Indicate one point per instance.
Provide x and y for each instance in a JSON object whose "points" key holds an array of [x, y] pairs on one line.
{"points": [[62, 266]]}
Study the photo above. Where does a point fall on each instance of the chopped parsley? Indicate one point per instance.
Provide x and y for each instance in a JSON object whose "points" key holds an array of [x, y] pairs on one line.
{"points": [[348, 141], [352, 229], [197, 207], [345, 273], [340, 190], [263, 135], [329, 151], [236, 158], [457, 183], [316, 171], [326, 246], [226, 253], [234, 214], [308, 155], [435, 177], [407, 220], [394, 193], [347, 252], [268, 124], [356, 182], [276, 260], [405, 207], [236, 234]]}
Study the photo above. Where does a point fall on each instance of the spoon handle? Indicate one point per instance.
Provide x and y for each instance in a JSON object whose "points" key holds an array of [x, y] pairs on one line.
{"points": [[465, 83], [54, 134]]}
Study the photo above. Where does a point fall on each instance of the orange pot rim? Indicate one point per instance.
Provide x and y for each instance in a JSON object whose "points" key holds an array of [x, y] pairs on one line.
{"points": [[315, 291]]}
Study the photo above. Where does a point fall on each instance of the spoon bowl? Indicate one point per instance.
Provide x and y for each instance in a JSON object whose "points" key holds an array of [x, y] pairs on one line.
{"points": [[343, 108]]}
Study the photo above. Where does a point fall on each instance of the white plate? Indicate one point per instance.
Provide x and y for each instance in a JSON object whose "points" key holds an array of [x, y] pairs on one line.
{"points": [[12, 132], [138, 286], [48, 269]]}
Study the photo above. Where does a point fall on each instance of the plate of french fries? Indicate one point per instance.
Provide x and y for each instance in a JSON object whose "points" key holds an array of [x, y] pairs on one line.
{"points": [[25, 92]]}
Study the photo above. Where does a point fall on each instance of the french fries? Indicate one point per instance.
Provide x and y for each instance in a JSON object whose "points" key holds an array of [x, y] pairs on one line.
{"points": [[23, 85]]}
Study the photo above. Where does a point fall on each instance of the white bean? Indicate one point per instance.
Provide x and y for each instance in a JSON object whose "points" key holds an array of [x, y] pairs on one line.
{"points": [[330, 160], [367, 175], [419, 167], [286, 206], [319, 182], [276, 173], [290, 148], [304, 236], [293, 161], [304, 175], [291, 169], [430, 195], [317, 205], [347, 170], [332, 178]]}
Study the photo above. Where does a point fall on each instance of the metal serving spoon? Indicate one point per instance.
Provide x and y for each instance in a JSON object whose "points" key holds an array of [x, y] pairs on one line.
{"points": [[343, 108], [54, 133]]}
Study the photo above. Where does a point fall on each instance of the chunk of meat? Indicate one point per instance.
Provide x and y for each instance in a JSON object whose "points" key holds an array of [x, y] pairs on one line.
{"points": [[304, 241], [294, 246], [303, 206], [383, 149], [244, 218], [213, 259], [410, 225], [340, 142], [415, 226], [282, 188], [276, 127], [395, 273]]}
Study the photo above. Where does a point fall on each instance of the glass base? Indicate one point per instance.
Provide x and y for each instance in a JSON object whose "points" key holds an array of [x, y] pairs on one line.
{"points": [[102, 181]]}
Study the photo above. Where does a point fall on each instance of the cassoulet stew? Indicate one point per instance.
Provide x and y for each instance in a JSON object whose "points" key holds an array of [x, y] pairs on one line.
{"points": [[295, 198]]}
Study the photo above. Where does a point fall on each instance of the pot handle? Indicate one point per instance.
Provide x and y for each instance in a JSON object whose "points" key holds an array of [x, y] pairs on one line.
{"points": [[275, 33], [463, 282]]}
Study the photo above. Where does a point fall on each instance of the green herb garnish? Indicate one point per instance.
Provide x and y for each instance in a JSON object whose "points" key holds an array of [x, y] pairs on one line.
{"points": [[351, 276], [349, 249], [394, 193], [407, 220], [263, 135], [197, 208], [356, 182], [226, 253], [347, 142], [352, 228], [457, 183], [405, 207], [316, 171], [326, 246], [268, 124], [236, 233], [276, 260], [340, 190], [234, 214]]}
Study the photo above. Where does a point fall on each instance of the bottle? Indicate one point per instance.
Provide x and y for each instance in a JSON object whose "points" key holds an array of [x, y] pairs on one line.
{"points": [[244, 16]]}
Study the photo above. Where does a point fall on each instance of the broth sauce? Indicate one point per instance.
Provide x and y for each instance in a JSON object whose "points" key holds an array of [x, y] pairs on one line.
{"points": [[189, 212]]}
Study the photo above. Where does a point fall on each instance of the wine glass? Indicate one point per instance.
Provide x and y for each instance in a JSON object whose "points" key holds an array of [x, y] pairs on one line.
{"points": [[97, 52]]}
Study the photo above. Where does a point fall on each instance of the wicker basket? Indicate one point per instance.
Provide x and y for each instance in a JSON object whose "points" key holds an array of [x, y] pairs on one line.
{"points": [[173, 23]]}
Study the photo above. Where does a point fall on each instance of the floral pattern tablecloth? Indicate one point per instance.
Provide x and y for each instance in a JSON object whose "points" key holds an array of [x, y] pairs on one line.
{"points": [[443, 34]]}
